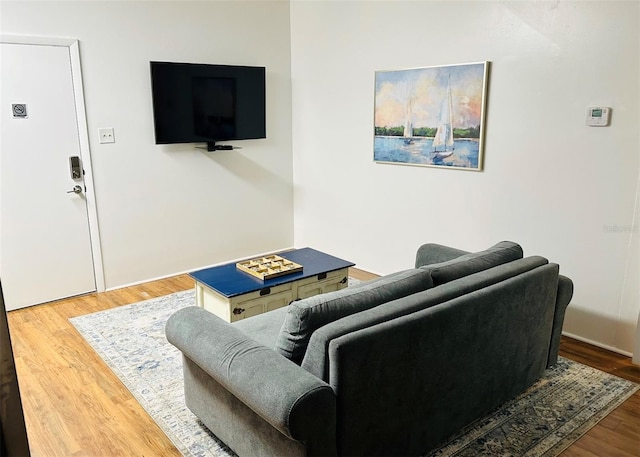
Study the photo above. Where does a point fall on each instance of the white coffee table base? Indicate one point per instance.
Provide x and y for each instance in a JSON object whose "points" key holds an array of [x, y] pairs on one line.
{"points": [[232, 309]]}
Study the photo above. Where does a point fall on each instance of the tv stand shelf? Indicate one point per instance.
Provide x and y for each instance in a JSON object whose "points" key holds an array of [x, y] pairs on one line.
{"points": [[212, 146]]}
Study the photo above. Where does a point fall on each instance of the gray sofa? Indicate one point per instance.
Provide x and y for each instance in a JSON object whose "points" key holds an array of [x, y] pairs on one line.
{"points": [[393, 366]]}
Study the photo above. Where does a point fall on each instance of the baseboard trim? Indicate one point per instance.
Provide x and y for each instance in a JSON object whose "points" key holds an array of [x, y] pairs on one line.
{"points": [[109, 289], [598, 344]]}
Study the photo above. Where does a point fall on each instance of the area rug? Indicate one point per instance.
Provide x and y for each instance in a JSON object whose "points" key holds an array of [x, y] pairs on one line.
{"points": [[566, 402]]}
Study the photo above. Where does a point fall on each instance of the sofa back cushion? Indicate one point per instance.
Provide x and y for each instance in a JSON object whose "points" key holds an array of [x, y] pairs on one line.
{"points": [[317, 358], [500, 253], [305, 316], [431, 253]]}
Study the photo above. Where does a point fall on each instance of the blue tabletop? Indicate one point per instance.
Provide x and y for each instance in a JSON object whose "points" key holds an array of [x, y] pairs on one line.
{"points": [[227, 280]]}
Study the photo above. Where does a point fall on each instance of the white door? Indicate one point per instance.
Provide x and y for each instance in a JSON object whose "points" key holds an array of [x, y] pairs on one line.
{"points": [[45, 245]]}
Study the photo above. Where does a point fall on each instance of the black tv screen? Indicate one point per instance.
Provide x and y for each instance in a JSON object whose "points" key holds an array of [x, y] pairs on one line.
{"points": [[194, 103]]}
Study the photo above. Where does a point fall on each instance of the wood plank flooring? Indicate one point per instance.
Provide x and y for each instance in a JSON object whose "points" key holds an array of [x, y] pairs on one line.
{"points": [[75, 406]]}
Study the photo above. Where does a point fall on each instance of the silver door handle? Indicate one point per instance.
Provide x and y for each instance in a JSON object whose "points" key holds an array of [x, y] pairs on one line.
{"points": [[75, 190]]}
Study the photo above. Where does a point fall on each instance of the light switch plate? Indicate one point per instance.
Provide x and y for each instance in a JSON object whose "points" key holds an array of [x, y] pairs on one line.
{"points": [[106, 135]]}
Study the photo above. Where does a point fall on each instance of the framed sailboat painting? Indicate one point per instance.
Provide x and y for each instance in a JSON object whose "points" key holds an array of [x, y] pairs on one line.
{"points": [[431, 116]]}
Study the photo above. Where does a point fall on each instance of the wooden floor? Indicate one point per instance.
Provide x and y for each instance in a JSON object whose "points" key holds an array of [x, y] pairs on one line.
{"points": [[75, 406]]}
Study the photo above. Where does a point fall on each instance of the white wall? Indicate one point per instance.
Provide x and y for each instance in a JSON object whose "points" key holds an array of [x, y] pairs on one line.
{"points": [[168, 209], [561, 189], [631, 292]]}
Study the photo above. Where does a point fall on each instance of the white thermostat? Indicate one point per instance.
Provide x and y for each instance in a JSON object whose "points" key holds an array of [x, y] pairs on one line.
{"points": [[598, 116]]}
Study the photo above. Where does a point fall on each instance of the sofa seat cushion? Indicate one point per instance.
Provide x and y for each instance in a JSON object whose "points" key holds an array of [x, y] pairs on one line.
{"points": [[263, 328], [464, 265], [303, 317]]}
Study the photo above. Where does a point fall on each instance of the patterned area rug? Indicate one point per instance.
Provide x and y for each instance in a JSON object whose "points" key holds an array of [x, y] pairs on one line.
{"points": [[543, 421]]}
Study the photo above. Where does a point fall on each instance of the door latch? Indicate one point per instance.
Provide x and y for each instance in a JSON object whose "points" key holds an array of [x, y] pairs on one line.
{"points": [[75, 167]]}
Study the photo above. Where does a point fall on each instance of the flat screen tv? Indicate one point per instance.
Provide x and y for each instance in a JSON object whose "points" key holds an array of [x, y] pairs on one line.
{"points": [[204, 103]]}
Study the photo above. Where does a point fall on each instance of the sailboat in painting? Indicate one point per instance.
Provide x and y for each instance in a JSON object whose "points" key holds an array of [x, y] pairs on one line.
{"points": [[408, 125], [443, 145]]}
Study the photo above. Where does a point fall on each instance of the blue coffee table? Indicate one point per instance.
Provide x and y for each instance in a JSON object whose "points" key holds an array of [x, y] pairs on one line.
{"points": [[232, 294]]}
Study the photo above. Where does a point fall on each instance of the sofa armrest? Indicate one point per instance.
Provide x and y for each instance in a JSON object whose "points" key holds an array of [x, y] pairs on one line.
{"points": [[290, 399], [563, 297], [431, 253]]}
